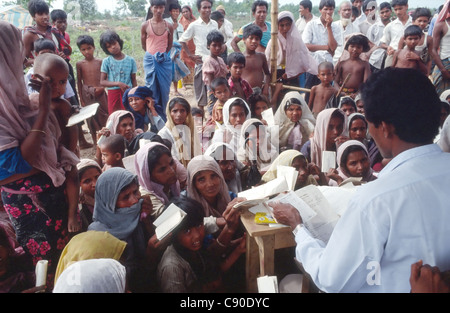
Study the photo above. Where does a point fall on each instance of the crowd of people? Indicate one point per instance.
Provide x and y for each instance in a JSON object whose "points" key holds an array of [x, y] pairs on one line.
{"points": [[371, 87]]}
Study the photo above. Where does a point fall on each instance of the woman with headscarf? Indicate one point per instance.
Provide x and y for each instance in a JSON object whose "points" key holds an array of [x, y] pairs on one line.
{"points": [[293, 57], [255, 146], [207, 185], [235, 112], [139, 101], [187, 18], [157, 173], [295, 159], [328, 135], [181, 131], [117, 210], [353, 161], [34, 165], [295, 120], [94, 276]]}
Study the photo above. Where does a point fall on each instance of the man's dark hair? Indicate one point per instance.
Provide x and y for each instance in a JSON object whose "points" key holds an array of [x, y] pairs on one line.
{"points": [[406, 99], [327, 3], [157, 2], [199, 3], [259, 3], [85, 40], [419, 12], [174, 6], [306, 4], [252, 29], [38, 7], [399, 2], [216, 16], [109, 37], [58, 15], [384, 5]]}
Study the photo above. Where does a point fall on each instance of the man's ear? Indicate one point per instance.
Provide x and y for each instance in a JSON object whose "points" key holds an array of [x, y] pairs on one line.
{"points": [[388, 129]]}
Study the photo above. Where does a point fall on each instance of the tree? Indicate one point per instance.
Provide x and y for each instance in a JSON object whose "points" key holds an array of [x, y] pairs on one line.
{"points": [[136, 7]]}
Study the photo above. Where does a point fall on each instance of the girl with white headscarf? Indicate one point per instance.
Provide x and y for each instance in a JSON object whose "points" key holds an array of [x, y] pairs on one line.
{"points": [[294, 134]]}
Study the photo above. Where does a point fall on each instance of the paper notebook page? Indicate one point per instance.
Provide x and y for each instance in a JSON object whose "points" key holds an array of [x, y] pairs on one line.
{"points": [[289, 173], [85, 113], [168, 225], [267, 115], [328, 161], [167, 213], [267, 284]]}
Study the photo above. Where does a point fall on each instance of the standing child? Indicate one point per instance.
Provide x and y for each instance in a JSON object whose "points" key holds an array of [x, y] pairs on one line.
{"points": [[410, 57], [118, 70], [320, 94], [113, 151], [213, 65], [239, 87], [358, 69], [256, 71], [221, 90], [157, 41], [89, 84]]}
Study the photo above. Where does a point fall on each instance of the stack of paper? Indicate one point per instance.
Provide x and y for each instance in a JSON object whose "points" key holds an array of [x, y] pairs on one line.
{"points": [[328, 161], [168, 220], [85, 113], [267, 284], [289, 173]]}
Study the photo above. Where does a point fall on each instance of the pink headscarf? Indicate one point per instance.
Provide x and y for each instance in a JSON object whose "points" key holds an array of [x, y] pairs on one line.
{"points": [[319, 140], [143, 173], [114, 119], [298, 58], [17, 114]]}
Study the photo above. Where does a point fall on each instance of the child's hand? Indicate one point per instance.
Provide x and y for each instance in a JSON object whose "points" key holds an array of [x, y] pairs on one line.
{"points": [[217, 114], [42, 85], [410, 56], [390, 51], [123, 86], [313, 169], [103, 132], [334, 175]]}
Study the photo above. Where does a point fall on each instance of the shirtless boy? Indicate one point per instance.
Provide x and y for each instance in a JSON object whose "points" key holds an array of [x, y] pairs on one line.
{"points": [[256, 70], [88, 84], [321, 93], [409, 57], [358, 69]]}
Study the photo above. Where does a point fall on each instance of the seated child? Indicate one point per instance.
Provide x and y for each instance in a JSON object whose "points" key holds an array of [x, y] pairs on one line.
{"points": [[88, 173], [194, 262], [221, 90], [409, 57], [113, 151], [258, 103], [320, 94], [357, 69], [139, 101], [239, 87]]}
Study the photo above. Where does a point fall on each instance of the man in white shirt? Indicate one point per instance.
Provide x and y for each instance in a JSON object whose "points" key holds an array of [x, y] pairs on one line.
{"points": [[362, 17], [346, 26], [227, 27], [198, 30], [375, 33], [395, 29], [306, 16], [398, 219]]}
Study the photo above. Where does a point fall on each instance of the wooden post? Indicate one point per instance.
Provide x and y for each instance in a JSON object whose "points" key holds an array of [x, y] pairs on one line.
{"points": [[274, 41]]}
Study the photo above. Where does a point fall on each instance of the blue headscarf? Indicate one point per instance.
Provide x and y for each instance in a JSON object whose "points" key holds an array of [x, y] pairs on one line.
{"points": [[122, 222], [142, 92]]}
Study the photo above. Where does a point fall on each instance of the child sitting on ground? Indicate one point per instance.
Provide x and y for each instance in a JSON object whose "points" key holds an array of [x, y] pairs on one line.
{"points": [[113, 151], [239, 87], [357, 69], [320, 94], [409, 57]]}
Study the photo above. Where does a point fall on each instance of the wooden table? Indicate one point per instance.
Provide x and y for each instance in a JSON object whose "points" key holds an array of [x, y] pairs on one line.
{"points": [[262, 241]]}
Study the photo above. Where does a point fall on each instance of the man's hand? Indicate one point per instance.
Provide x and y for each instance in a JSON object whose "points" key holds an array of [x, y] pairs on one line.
{"points": [[286, 214]]}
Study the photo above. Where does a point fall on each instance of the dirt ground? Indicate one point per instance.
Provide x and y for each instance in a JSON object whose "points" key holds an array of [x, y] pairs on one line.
{"points": [[187, 91]]}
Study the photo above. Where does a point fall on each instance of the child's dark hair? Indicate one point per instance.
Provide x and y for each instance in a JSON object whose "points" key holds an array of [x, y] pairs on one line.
{"points": [[199, 3], [85, 40], [154, 155], [214, 36], [194, 210], [58, 15], [358, 40], [157, 2], [348, 100], [419, 12], [219, 81], [327, 3], [216, 16], [235, 57], [399, 2], [254, 99], [259, 3], [196, 111], [240, 103], [413, 30], [252, 30], [115, 144], [174, 6], [44, 44], [326, 65], [110, 37], [38, 7]]}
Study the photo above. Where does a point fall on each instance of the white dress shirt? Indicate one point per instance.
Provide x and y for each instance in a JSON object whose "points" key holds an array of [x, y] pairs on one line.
{"points": [[199, 30], [394, 31], [351, 28], [391, 223]]}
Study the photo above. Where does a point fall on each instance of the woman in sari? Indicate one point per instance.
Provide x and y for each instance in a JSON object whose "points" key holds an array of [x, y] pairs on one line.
{"points": [[187, 18]]}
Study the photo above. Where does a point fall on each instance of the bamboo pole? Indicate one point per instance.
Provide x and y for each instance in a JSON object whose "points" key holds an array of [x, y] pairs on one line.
{"points": [[292, 87], [274, 40]]}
